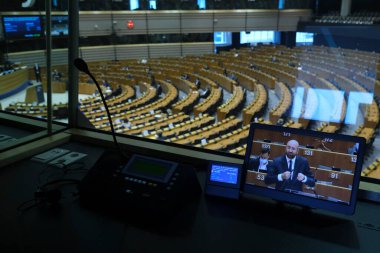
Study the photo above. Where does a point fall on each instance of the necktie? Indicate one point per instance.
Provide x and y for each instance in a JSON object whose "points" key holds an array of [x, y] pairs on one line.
{"points": [[290, 169]]}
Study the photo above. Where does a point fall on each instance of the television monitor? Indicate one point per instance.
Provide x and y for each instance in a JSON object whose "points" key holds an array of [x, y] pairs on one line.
{"points": [[325, 173], [59, 25], [22, 27]]}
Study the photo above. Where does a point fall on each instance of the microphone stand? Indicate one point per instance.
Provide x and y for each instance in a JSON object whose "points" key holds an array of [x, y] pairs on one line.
{"points": [[81, 65]]}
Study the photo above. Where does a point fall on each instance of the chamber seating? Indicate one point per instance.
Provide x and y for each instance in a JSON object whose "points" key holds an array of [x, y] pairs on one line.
{"points": [[233, 105]]}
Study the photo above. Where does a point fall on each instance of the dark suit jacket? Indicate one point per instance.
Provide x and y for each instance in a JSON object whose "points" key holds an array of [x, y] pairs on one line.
{"points": [[254, 164], [280, 165]]}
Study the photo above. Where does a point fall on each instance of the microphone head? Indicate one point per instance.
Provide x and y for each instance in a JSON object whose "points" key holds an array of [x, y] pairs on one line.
{"points": [[81, 65]]}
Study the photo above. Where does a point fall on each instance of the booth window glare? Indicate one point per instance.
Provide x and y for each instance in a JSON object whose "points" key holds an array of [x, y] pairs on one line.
{"points": [[304, 38], [202, 4], [222, 38], [281, 4], [152, 5], [134, 4], [257, 37]]}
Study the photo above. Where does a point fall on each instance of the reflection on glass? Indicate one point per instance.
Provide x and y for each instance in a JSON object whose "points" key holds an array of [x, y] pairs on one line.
{"points": [[201, 4], [134, 4], [257, 37], [152, 5], [222, 38], [208, 101], [304, 38]]}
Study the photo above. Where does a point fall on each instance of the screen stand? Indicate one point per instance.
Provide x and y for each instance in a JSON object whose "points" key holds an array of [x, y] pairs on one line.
{"points": [[305, 209]]}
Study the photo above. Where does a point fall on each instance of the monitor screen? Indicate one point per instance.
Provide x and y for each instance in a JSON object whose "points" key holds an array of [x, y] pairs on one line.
{"points": [[224, 174], [304, 167], [22, 27]]}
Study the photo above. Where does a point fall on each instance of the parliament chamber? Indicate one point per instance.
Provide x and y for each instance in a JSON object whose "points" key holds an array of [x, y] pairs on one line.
{"points": [[183, 81]]}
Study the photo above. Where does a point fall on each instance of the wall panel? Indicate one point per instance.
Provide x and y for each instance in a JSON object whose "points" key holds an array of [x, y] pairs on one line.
{"points": [[123, 52], [203, 21]]}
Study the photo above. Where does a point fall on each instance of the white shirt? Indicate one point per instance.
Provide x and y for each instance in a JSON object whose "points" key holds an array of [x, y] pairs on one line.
{"points": [[263, 164], [279, 176]]}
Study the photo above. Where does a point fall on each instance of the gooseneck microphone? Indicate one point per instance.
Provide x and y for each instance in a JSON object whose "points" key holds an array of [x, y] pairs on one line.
{"points": [[82, 66]]}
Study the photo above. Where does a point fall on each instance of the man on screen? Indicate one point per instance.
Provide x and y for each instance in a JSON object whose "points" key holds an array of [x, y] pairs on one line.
{"points": [[290, 171], [261, 162]]}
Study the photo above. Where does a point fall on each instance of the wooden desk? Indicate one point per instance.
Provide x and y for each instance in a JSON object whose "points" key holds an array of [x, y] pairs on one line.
{"points": [[12, 81], [327, 144], [222, 80], [187, 103], [336, 192], [337, 178], [210, 102], [257, 178], [257, 105], [237, 98]]}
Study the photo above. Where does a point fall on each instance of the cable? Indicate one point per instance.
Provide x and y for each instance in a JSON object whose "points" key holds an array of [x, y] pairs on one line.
{"points": [[44, 195]]}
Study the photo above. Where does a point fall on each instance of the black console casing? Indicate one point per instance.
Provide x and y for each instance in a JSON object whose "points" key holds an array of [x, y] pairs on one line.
{"points": [[106, 187]]}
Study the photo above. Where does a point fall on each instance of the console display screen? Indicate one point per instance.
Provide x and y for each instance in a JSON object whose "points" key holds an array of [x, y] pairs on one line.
{"points": [[150, 168], [305, 167]]}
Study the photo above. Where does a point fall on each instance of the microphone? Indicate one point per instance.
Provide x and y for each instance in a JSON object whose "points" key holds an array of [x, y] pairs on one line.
{"points": [[82, 66]]}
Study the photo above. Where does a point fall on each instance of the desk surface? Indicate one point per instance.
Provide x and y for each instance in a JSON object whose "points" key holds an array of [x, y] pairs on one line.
{"points": [[207, 225]]}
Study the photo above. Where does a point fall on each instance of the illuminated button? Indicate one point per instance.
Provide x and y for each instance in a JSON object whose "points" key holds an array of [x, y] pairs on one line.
{"points": [[150, 184], [154, 185], [144, 182]]}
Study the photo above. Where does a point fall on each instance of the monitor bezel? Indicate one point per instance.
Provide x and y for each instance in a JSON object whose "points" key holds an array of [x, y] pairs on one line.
{"points": [[297, 199]]}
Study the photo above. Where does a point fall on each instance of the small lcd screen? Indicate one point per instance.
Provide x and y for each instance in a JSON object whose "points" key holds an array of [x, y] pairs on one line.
{"points": [[150, 168], [224, 174]]}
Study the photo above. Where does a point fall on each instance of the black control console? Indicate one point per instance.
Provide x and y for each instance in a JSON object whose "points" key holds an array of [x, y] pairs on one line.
{"points": [[143, 185]]}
